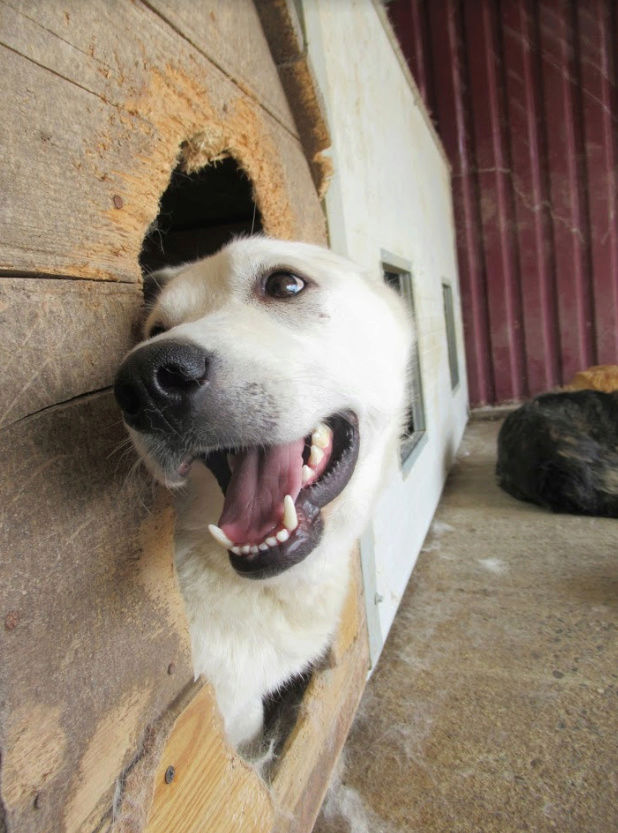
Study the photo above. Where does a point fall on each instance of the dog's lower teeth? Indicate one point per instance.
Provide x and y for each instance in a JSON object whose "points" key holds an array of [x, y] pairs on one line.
{"points": [[263, 547], [282, 536], [271, 541]]}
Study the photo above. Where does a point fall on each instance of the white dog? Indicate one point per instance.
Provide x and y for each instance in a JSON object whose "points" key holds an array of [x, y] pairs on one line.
{"points": [[282, 369]]}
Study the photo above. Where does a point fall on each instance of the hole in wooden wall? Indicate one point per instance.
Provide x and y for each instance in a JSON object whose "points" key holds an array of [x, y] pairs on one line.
{"points": [[199, 212]]}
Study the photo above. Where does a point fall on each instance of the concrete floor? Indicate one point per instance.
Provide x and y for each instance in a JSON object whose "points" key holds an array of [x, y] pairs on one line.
{"points": [[493, 707]]}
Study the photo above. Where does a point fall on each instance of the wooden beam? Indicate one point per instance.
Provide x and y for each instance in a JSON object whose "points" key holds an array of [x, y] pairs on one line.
{"points": [[201, 784]]}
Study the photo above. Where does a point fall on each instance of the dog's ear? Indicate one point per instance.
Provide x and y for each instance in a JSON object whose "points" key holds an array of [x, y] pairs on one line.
{"points": [[155, 281]]}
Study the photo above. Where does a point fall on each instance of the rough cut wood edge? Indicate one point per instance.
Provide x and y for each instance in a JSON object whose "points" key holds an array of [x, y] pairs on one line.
{"points": [[211, 787], [327, 711], [286, 40]]}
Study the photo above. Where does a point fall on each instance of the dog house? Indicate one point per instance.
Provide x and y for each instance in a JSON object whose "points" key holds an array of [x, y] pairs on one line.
{"points": [[126, 124], [136, 134]]}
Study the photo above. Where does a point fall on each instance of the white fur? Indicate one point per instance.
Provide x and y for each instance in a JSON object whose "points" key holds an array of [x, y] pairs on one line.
{"points": [[343, 345]]}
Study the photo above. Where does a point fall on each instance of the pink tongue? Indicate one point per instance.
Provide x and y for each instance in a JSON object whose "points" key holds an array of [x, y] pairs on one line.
{"points": [[261, 478]]}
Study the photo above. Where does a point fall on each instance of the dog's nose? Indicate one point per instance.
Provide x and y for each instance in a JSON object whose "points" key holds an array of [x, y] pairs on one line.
{"points": [[156, 385]]}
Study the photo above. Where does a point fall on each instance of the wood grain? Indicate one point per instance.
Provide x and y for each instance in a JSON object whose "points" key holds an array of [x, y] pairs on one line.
{"points": [[99, 105], [212, 788], [95, 619], [230, 34], [61, 338], [325, 717]]}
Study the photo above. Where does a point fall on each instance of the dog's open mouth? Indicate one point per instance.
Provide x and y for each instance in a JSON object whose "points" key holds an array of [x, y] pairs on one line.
{"points": [[271, 515]]}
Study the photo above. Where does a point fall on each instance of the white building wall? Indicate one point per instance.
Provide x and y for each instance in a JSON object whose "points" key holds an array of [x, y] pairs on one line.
{"points": [[391, 191]]}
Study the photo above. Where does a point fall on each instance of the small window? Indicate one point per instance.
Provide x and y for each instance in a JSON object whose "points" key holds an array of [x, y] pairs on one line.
{"points": [[451, 339], [398, 274]]}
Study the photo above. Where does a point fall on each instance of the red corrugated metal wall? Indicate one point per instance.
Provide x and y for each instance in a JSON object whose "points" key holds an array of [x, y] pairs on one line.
{"points": [[523, 93]]}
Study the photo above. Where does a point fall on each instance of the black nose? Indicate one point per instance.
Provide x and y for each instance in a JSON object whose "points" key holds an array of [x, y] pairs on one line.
{"points": [[157, 385]]}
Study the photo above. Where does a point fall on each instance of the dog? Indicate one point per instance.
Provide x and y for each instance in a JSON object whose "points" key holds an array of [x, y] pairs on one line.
{"points": [[270, 393], [561, 451]]}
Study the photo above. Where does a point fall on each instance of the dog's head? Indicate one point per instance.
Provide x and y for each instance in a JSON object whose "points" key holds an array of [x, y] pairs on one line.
{"points": [[282, 369]]}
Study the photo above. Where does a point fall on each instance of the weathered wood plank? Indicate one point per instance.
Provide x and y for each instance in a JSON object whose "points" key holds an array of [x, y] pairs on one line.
{"points": [[100, 144], [286, 40], [230, 34], [93, 638], [326, 714], [61, 338], [212, 788]]}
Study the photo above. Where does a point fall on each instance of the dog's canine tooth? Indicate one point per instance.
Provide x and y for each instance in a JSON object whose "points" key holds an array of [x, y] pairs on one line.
{"points": [[290, 518], [321, 436], [271, 541], [307, 473], [315, 456], [282, 536], [220, 537]]}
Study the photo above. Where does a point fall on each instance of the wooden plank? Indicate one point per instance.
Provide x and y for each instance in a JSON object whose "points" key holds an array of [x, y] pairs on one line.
{"points": [[326, 714], [100, 143], [230, 34], [212, 788], [93, 638], [59, 338], [286, 39]]}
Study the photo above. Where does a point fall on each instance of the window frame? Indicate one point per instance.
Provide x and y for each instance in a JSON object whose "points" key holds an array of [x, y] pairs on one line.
{"points": [[411, 443]]}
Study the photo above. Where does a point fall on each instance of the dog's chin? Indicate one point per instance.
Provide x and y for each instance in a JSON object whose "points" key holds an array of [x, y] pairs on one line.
{"points": [[280, 548]]}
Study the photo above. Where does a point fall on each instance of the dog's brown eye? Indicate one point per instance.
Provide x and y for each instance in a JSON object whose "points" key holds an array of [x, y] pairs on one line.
{"points": [[283, 285], [156, 330]]}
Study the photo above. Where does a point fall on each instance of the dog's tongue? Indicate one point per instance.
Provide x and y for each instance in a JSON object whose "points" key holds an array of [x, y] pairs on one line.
{"points": [[261, 478]]}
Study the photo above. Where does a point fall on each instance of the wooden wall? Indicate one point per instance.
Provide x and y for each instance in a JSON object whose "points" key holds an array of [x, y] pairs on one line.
{"points": [[97, 98]]}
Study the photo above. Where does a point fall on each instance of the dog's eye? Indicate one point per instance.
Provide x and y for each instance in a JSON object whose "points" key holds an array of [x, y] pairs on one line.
{"points": [[156, 330], [283, 285]]}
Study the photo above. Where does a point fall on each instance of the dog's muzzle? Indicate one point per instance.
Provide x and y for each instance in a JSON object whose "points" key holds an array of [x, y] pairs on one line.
{"points": [[273, 493], [161, 385]]}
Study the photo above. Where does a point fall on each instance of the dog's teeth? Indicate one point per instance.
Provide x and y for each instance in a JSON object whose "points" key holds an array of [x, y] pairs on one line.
{"points": [[246, 549], [271, 541], [307, 474], [321, 436], [263, 546], [282, 536], [236, 550], [254, 549], [220, 536], [290, 518], [315, 456]]}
